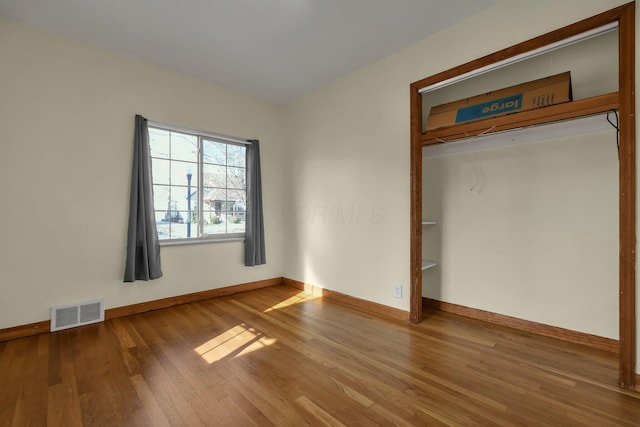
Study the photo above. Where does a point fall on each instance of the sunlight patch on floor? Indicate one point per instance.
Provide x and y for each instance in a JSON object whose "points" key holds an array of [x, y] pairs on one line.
{"points": [[237, 341], [296, 299]]}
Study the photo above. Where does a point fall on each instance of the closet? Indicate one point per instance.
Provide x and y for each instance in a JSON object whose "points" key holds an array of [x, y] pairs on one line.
{"points": [[600, 54]]}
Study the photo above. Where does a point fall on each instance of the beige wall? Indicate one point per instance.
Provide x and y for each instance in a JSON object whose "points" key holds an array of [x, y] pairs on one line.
{"points": [[529, 231], [66, 119], [349, 146]]}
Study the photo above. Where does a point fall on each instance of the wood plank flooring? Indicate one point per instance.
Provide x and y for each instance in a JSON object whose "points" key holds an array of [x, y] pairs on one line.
{"points": [[278, 357]]}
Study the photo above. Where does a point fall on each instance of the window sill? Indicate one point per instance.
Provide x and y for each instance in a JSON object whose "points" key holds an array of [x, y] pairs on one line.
{"points": [[183, 242]]}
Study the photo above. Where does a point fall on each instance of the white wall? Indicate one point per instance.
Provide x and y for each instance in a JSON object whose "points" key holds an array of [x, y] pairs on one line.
{"points": [[66, 119], [529, 231], [349, 146]]}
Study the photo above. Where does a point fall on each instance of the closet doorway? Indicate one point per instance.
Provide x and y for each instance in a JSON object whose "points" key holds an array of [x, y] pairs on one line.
{"points": [[622, 100]]}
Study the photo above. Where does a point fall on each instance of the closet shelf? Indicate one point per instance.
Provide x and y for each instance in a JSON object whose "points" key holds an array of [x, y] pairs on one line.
{"points": [[426, 264], [553, 113]]}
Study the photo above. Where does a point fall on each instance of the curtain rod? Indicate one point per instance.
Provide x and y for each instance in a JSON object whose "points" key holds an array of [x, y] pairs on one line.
{"points": [[217, 136], [521, 57]]}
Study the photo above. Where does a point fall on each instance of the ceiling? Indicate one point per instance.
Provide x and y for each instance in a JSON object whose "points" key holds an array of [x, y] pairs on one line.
{"points": [[276, 50]]}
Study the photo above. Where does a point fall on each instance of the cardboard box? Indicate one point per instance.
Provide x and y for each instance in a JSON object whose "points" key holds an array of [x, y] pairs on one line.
{"points": [[526, 96]]}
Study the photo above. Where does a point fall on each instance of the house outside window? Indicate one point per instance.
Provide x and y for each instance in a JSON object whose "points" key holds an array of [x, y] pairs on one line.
{"points": [[199, 185]]}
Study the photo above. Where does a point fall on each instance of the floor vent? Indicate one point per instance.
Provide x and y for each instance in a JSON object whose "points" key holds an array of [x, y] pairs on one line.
{"points": [[72, 315]]}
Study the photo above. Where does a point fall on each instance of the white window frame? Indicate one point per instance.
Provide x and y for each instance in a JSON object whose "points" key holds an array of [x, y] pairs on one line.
{"points": [[200, 135]]}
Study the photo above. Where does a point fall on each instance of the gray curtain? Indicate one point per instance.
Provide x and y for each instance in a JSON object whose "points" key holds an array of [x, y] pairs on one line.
{"points": [[143, 247], [254, 253]]}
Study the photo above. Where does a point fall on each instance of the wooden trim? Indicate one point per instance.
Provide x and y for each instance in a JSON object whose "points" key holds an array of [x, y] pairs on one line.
{"points": [[594, 341], [552, 113], [627, 199], [142, 307], [637, 384], [415, 311], [44, 326], [22, 331], [353, 302]]}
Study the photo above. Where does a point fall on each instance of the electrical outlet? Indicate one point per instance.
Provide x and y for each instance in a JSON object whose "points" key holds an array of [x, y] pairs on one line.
{"points": [[397, 291]]}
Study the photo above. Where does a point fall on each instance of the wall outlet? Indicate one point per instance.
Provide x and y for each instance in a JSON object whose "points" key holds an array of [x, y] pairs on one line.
{"points": [[397, 291]]}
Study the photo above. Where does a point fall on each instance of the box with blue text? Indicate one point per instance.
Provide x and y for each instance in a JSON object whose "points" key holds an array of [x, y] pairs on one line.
{"points": [[526, 96]]}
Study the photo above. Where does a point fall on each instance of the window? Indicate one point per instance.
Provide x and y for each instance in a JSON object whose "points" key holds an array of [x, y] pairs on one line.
{"points": [[199, 185]]}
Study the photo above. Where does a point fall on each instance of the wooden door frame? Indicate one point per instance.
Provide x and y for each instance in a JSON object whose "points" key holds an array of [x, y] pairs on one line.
{"points": [[625, 16]]}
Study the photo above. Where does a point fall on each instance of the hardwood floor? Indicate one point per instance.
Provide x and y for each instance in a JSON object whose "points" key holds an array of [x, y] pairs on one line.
{"points": [[278, 357]]}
